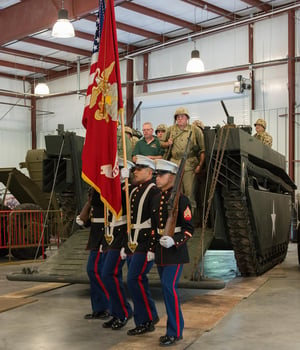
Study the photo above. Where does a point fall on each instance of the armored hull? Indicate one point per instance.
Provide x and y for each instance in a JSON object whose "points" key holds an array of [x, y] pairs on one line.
{"points": [[252, 200]]}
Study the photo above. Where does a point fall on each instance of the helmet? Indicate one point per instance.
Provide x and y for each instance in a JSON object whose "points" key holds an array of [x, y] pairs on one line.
{"points": [[199, 123], [261, 122], [161, 127], [181, 110], [128, 130]]}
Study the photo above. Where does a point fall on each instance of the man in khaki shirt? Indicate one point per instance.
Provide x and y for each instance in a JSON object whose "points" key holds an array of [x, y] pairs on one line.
{"points": [[261, 134], [176, 140]]}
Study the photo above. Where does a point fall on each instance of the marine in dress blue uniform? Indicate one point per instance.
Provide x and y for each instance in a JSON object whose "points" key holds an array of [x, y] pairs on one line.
{"points": [[99, 293], [140, 262], [171, 252], [116, 238]]}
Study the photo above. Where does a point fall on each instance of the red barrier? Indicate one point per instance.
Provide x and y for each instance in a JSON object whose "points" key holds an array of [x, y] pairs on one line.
{"points": [[29, 229]]}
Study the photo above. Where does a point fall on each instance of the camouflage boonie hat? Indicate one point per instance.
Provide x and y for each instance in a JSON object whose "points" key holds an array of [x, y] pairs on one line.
{"points": [[261, 122], [161, 127], [181, 110]]}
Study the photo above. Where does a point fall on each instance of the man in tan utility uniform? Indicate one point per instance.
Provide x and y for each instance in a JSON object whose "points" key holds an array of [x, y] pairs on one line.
{"points": [[176, 140], [261, 134], [160, 132]]}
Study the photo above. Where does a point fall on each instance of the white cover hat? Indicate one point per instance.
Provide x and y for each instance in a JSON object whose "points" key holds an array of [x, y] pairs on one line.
{"points": [[129, 163], [144, 161], [165, 165]]}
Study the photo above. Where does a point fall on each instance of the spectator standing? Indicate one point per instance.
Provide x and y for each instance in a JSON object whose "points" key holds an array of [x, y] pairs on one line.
{"points": [[148, 145], [160, 132], [176, 140], [133, 139], [261, 134]]}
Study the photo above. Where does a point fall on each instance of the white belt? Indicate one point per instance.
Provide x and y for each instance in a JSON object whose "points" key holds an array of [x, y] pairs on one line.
{"points": [[161, 231], [97, 220], [145, 224], [120, 222]]}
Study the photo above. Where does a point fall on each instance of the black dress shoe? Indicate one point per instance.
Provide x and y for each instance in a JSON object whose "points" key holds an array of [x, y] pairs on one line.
{"points": [[142, 328], [167, 340], [155, 320], [109, 323], [118, 323], [97, 315]]}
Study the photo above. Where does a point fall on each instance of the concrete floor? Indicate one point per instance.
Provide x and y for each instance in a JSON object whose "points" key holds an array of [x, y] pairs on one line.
{"points": [[249, 313]]}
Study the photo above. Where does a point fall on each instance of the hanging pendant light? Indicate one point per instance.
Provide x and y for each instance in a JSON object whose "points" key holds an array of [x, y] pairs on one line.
{"points": [[195, 64], [63, 28], [42, 89]]}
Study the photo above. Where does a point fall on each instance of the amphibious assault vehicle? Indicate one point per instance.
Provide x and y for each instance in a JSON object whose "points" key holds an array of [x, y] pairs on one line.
{"points": [[251, 198]]}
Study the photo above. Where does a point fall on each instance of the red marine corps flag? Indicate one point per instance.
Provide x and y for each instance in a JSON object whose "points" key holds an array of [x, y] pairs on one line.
{"points": [[100, 117]]}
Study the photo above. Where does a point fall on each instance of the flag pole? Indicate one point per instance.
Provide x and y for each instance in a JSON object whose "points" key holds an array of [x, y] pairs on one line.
{"points": [[125, 166]]}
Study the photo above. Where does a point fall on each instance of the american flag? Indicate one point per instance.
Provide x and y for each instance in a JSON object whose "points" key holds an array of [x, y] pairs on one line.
{"points": [[100, 116], [94, 59]]}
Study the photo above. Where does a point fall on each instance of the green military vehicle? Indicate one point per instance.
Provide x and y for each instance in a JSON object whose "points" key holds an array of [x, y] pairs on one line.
{"points": [[54, 185], [252, 198]]}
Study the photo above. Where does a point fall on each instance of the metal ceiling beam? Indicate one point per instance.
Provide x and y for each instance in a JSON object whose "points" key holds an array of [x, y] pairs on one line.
{"points": [[42, 17], [138, 31], [259, 4], [11, 76], [33, 56], [126, 47], [212, 8], [215, 29], [37, 17], [52, 75], [159, 15], [58, 47], [23, 67], [132, 29], [90, 37], [121, 45], [84, 36]]}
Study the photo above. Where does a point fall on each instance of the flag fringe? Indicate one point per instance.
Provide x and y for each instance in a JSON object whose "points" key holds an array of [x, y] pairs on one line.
{"points": [[104, 200]]}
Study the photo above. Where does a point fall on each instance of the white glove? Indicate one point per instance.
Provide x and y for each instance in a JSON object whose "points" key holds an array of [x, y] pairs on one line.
{"points": [[123, 255], [79, 222], [150, 256], [125, 173], [166, 241], [100, 249]]}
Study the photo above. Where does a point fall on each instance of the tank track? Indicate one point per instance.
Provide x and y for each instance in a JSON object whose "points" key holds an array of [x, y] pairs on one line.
{"points": [[242, 237]]}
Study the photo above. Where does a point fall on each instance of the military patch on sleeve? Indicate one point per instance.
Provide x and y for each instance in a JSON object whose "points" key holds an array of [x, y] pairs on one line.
{"points": [[187, 214]]}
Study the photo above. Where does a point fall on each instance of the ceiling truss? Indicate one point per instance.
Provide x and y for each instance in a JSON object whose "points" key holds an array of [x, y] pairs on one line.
{"points": [[25, 23]]}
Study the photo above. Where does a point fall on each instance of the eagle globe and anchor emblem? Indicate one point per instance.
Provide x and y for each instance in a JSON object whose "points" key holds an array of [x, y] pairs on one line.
{"points": [[107, 108], [108, 103]]}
